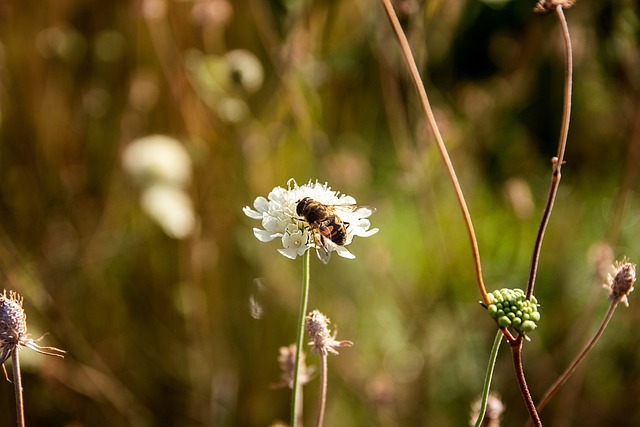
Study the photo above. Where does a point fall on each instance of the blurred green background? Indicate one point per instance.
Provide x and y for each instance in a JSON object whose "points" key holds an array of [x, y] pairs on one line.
{"points": [[185, 332]]}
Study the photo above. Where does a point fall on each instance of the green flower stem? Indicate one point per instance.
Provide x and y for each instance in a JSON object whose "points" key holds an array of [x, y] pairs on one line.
{"points": [[487, 379], [296, 395]]}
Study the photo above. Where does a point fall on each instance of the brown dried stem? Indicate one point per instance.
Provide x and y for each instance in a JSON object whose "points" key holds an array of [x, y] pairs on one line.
{"points": [[516, 354], [17, 383], [433, 126], [576, 362], [323, 389], [559, 159]]}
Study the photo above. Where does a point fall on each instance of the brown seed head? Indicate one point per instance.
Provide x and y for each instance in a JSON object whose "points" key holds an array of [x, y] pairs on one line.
{"points": [[317, 326], [547, 6], [13, 328], [620, 283], [13, 325]]}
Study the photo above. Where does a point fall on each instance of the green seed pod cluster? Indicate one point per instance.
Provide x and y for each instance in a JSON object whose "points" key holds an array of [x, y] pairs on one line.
{"points": [[510, 308]]}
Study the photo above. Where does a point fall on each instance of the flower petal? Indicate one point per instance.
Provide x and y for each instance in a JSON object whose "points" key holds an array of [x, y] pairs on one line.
{"points": [[171, 208], [261, 204], [251, 213], [264, 235], [344, 252], [364, 233], [294, 240], [292, 252]]}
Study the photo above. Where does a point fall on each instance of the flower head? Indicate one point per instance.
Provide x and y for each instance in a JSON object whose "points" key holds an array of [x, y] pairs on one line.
{"points": [[546, 6], [171, 208], [620, 283], [322, 340], [280, 219], [158, 158], [162, 167], [510, 308], [13, 328]]}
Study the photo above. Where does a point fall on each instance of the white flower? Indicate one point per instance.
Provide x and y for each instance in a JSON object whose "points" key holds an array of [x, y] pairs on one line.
{"points": [[158, 158], [245, 69], [279, 219], [162, 167], [171, 208]]}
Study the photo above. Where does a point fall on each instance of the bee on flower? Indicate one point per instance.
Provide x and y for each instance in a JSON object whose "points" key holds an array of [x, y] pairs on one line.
{"points": [[310, 216]]}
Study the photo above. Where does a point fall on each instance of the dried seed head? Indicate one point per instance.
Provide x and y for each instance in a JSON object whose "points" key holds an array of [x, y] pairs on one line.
{"points": [[620, 283], [13, 325], [323, 342], [13, 328], [317, 326], [546, 6], [287, 362]]}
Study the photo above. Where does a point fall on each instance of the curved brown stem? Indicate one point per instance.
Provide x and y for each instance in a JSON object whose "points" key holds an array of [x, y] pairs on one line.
{"points": [[433, 126]]}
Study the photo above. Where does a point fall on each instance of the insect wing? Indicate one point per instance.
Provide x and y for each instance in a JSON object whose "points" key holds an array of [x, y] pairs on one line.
{"points": [[320, 242], [362, 211], [323, 254]]}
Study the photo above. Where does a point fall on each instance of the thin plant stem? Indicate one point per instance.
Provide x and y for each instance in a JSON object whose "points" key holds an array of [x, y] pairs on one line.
{"points": [[487, 379], [17, 383], [579, 358], [433, 126], [516, 353], [296, 393], [323, 389], [559, 159]]}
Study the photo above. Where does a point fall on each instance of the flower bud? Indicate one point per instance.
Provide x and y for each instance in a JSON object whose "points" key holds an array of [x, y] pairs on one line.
{"points": [[511, 309]]}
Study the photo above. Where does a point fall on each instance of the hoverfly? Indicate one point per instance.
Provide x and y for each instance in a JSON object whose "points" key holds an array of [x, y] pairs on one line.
{"points": [[325, 225]]}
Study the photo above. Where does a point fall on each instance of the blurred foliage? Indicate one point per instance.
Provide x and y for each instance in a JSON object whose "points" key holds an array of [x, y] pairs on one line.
{"points": [[160, 331]]}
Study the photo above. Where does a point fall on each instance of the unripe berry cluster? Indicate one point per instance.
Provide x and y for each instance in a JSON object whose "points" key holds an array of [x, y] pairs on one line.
{"points": [[510, 308]]}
